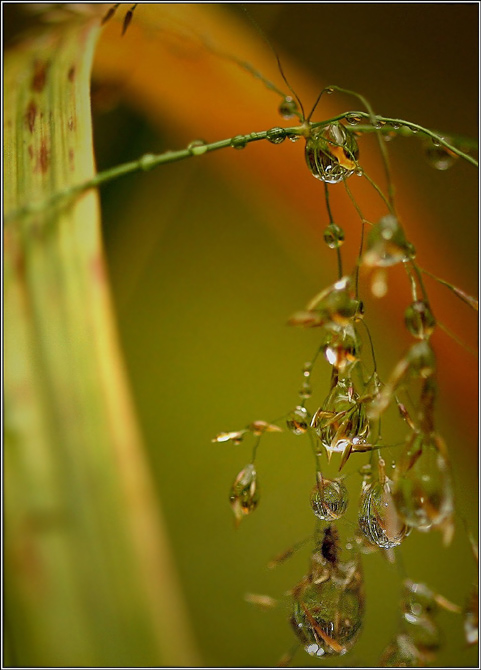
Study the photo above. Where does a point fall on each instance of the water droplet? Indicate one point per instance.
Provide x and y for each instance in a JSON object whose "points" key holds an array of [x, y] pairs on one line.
{"points": [[238, 142], [353, 119], [379, 283], [423, 486], [306, 390], [276, 135], [359, 172], [439, 156], [424, 634], [396, 126], [386, 243], [378, 518], [400, 653], [410, 252], [329, 499], [421, 359], [342, 347], [331, 153], [288, 108], [294, 138], [378, 123], [333, 236], [335, 306], [418, 600], [340, 418], [244, 493], [197, 147], [471, 617], [329, 90], [307, 369], [327, 613], [298, 420], [419, 319], [413, 130]]}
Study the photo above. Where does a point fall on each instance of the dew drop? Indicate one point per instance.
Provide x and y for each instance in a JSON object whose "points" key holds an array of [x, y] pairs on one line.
{"points": [[197, 147], [423, 491], [438, 156], [331, 153], [386, 243], [327, 615], [294, 138], [306, 390], [288, 108], [333, 236], [276, 135], [378, 518], [335, 306], [471, 617], [341, 418], [244, 493], [307, 369], [342, 347], [419, 319], [353, 119], [378, 123], [396, 126], [329, 499], [359, 172], [400, 653], [329, 90], [238, 142], [298, 420]]}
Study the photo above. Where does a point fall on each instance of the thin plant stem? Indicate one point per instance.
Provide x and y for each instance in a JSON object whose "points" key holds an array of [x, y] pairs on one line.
{"points": [[472, 302], [331, 220]]}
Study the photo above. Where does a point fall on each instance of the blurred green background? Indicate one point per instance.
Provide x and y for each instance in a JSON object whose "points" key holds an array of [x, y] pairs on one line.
{"points": [[206, 268], [203, 286]]}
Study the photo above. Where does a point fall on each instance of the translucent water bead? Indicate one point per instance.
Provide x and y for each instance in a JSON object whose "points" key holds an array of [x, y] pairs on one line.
{"points": [[471, 617], [342, 347], [333, 236], [298, 420], [331, 153], [329, 499], [423, 490], [378, 517], [288, 108], [244, 493], [400, 653], [419, 319], [341, 420], [335, 305], [386, 244], [327, 613]]}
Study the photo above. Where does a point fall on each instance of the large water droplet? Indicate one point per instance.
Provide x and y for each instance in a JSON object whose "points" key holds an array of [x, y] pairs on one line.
{"points": [[342, 347], [378, 517], [298, 420], [419, 319], [276, 135], [288, 108], [327, 613], [341, 418], [386, 243], [333, 236], [329, 499], [423, 487], [421, 359], [244, 493], [336, 305], [438, 156], [331, 153]]}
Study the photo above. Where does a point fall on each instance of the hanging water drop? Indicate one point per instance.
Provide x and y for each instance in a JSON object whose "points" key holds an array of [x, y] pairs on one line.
{"points": [[421, 359], [419, 319], [423, 487], [353, 119], [341, 418], [331, 153], [305, 391], [329, 499], [288, 108], [378, 517], [336, 305], [439, 156], [244, 493], [328, 608], [238, 142], [471, 617], [298, 421], [386, 243], [333, 236], [342, 347], [276, 135], [197, 147]]}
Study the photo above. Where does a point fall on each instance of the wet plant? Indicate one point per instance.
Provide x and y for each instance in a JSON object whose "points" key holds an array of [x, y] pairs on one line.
{"points": [[343, 427]]}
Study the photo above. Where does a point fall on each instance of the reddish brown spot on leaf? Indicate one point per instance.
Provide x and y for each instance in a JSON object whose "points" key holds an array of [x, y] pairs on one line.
{"points": [[43, 158], [39, 75], [71, 73], [30, 115]]}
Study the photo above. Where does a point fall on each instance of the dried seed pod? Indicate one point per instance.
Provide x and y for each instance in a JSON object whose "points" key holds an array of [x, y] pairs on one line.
{"points": [[244, 494], [329, 499], [331, 153]]}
